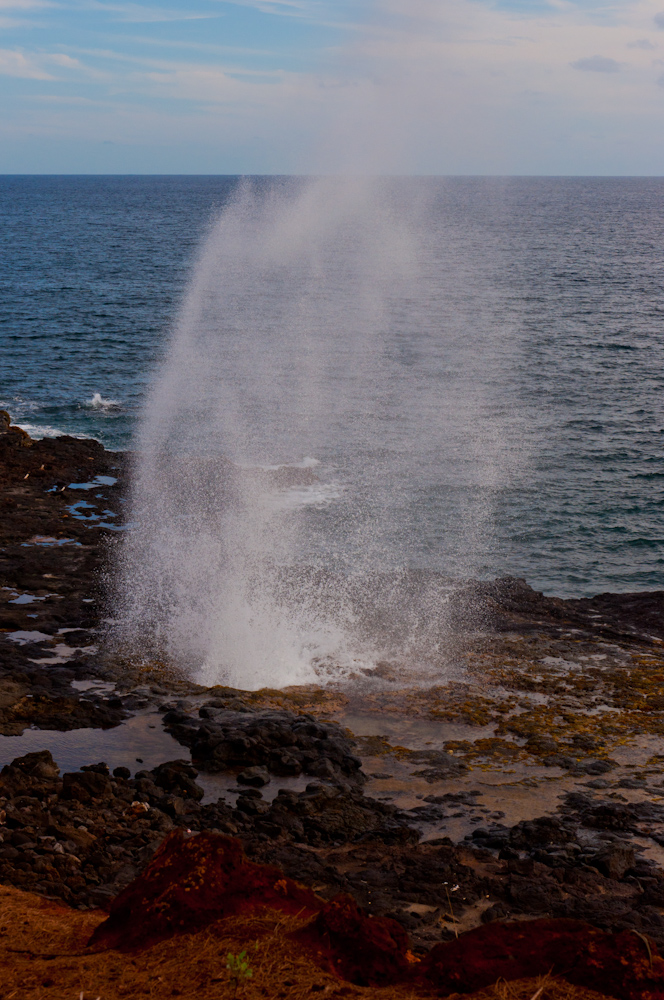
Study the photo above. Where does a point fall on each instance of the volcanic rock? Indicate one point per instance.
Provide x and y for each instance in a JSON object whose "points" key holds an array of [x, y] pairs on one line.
{"points": [[280, 743], [365, 950], [191, 883], [623, 965]]}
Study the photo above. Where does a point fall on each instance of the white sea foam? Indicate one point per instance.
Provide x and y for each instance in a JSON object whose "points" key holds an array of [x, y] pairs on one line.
{"points": [[99, 403], [39, 431]]}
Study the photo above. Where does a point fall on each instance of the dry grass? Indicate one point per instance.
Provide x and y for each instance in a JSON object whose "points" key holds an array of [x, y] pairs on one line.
{"points": [[43, 956]]}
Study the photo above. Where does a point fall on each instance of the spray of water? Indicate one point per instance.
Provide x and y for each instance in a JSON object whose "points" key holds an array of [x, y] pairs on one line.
{"points": [[317, 405]]}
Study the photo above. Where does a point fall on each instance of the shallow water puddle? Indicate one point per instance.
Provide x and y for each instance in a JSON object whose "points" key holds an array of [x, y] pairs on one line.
{"points": [[484, 795], [416, 734], [98, 687], [488, 797], [487, 793], [94, 519], [224, 786], [95, 484], [140, 743], [48, 541], [22, 637], [76, 510], [62, 653]]}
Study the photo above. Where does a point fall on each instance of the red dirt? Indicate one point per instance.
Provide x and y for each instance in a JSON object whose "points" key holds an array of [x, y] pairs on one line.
{"points": [[623, 965], [367, 951], [189, 884]]}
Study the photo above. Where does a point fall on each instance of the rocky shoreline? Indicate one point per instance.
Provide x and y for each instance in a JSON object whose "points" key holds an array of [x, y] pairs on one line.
{"points": [[532, 786]]}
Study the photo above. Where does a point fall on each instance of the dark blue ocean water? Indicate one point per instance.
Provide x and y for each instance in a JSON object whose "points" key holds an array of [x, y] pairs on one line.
{"points": [[550, 297]]}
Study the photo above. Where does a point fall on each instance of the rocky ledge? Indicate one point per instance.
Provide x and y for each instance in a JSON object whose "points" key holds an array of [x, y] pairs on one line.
{"points": [[529, 786], [200, 901], [83, 836]]}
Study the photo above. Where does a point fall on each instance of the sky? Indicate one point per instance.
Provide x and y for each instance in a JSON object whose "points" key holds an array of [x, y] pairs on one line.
{"points": [[322, 86]]}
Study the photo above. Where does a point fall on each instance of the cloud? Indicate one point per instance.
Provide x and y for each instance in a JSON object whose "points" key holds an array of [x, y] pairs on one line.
{"points": [[36, 66], [25, 4], [289, 7], [21, 7], [465, 86], [659, 20], [6, 23], [60, 59], [14, 63], [596, 64], [65, 99], [321, 13], [134, 13]]}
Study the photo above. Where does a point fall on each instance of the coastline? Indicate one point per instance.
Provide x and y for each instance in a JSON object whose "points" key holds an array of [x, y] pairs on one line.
{"points": [[535, 784]]}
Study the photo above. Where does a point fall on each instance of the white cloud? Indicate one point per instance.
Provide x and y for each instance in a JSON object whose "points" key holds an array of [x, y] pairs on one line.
{"points": [[454, 87], [288, 7], [61, 59], [21, 7], [449, 86], [25, 4], [139, 14], [330, 13], [37, 66], [18, 64], [14, 22], [65, 99]]}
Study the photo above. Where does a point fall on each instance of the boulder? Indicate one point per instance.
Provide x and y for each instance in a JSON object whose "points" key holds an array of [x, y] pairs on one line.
{"points": [[365, 950], [82, 786], [191, 883], [177, 777], [256, 776], [39, 765], [624, 965], [615, 860]]}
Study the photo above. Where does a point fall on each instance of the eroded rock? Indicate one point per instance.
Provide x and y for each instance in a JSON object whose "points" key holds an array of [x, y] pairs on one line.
{"points": [[266, 742], [623, 965], [190, 883]]}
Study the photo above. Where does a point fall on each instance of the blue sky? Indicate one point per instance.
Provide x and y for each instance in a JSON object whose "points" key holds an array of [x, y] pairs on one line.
{"points": [[262, 86]]}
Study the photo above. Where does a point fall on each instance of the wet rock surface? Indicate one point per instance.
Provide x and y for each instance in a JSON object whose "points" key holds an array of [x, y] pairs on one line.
{"points": [[84, 836], [60, 503], [277, 743]]}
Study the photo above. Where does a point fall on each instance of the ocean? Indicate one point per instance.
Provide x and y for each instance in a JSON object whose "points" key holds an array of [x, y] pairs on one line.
{"points": [[500, 413]]}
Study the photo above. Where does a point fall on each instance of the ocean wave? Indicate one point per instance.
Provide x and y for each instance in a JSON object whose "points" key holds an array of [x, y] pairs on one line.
{"points": [[99, 403], [39, 431]]}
